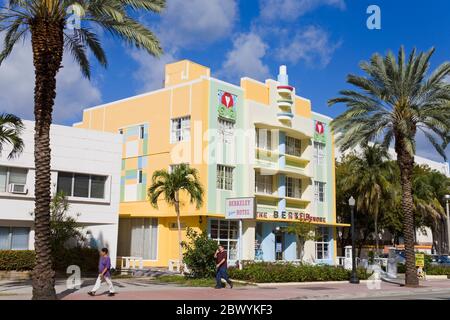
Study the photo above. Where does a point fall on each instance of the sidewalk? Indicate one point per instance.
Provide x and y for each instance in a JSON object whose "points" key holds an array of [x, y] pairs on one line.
{"points": [[144, 289]]}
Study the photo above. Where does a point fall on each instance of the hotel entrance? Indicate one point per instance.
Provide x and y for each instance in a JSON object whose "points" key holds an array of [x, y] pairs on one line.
{"points": [[279, 245]]}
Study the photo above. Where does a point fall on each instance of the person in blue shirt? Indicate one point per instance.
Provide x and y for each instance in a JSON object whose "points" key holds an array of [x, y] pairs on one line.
{"points": [[104, 273]]}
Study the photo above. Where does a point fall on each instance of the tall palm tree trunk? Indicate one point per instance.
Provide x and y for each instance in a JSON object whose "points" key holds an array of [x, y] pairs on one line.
{"points": [[180, 248], [376, 235], [406, 163], [47, 43]]}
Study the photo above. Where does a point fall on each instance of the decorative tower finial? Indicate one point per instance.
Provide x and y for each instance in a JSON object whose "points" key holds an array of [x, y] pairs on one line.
{"points": [[283, 77]]}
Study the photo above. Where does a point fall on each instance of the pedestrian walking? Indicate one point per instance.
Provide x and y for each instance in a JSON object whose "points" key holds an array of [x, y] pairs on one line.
{"points": [[221, 267], [104, 269]]}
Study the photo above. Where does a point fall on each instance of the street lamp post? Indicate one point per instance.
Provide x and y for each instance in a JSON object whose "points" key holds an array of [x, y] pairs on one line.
{"points": [[447, 199], [354, 278]]}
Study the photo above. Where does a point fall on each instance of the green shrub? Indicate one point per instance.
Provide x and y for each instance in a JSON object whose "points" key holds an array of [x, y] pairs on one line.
{"points": [[17, 260], [438, 270], [262, 272], [85, 258], [199, 254]]}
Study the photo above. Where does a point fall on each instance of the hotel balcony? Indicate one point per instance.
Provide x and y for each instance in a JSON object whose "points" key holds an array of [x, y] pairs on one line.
{"points": [[294, 165]]}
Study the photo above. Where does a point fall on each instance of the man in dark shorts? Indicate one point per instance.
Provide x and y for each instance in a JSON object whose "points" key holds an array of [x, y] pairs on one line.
{"points": [[221, 267]]}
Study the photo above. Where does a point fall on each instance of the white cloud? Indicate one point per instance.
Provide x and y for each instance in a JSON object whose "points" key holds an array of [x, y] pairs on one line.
{"points": [[246, 58], [311, 45], [74, 92], [290, 10], [196, 22], [150, 73]]}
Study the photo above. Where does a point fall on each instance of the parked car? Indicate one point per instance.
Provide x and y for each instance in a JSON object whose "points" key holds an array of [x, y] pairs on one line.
{"points": [[444, 261]]}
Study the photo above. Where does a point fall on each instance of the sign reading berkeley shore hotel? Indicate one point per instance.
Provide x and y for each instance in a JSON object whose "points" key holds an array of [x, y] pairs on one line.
{"points": [[240, 208], [299, 216]]}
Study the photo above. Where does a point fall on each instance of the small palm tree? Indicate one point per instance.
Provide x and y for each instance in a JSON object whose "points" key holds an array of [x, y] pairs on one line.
{"points": [[58, 26], [370, 180], [169, 185], [11, 128], [395, 100]]}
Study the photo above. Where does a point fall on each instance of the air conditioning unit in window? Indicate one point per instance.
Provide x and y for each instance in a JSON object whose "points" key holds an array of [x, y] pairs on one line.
{"points": [[18, 188]]}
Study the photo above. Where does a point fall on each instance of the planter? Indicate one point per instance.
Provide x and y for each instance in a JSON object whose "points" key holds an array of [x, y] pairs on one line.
{"points": [[15, 275]]}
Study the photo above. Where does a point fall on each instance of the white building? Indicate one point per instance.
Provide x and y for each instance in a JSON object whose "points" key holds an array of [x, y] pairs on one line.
{"points": [[86, 165]]}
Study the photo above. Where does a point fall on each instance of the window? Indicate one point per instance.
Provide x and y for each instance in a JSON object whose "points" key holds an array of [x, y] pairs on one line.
{"points": [[14, 238], [319, 191], [140, 176], [293, 187], [81, 185], [293, 146], [12, 176], [322, 243], [98, 187], [225, 130], [224, 177], [319, 153], [263, 139], [181, 129], [141, 132], [226, 233], [263, 183], [138, 237]]}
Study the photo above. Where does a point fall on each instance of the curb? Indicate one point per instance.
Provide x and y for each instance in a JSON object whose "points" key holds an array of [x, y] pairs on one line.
{"points": [[285, 284]]}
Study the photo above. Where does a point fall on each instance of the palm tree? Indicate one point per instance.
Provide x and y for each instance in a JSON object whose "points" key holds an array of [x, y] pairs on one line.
{"points": [[46, 21], [370, 180], [396, 98], [169, 185], [11, 128]]}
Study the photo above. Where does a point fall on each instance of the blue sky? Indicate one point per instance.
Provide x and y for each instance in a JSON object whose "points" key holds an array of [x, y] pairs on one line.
{"points": [[320, 41]]}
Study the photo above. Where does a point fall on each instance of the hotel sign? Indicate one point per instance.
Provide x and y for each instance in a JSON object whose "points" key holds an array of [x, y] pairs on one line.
{"points": [[240, 208], [290, 216]]}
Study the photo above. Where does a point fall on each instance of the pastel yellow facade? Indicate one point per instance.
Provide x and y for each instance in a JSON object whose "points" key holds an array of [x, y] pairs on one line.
{"points": [[190, 121]]}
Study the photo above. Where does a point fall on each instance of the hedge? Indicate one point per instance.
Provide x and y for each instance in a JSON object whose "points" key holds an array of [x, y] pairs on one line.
{"points": [[263, 272], [24, 260], [17, 260], [438, 270], [85, 258]]}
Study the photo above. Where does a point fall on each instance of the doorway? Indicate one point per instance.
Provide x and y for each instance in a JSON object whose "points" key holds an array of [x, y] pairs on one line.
{"points": [[279, 246]]}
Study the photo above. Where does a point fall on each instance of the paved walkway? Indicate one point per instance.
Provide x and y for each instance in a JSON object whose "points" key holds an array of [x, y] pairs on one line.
{"points": [[144, 289]]}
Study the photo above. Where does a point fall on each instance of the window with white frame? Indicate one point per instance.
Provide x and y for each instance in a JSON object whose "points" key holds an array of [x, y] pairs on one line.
{"points": [[224, 177], [263, 183], [14, 238], [181, 129], [319, 191], [81, 185], [319, 153], [293, 187], [322, 243], [225, 130], [264, 139], [226, 233], [10, 176], [293, 146]]}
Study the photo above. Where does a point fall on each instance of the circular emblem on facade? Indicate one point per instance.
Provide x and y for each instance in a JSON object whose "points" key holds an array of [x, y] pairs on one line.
{"points": [[227, 100], [319, 127]]}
